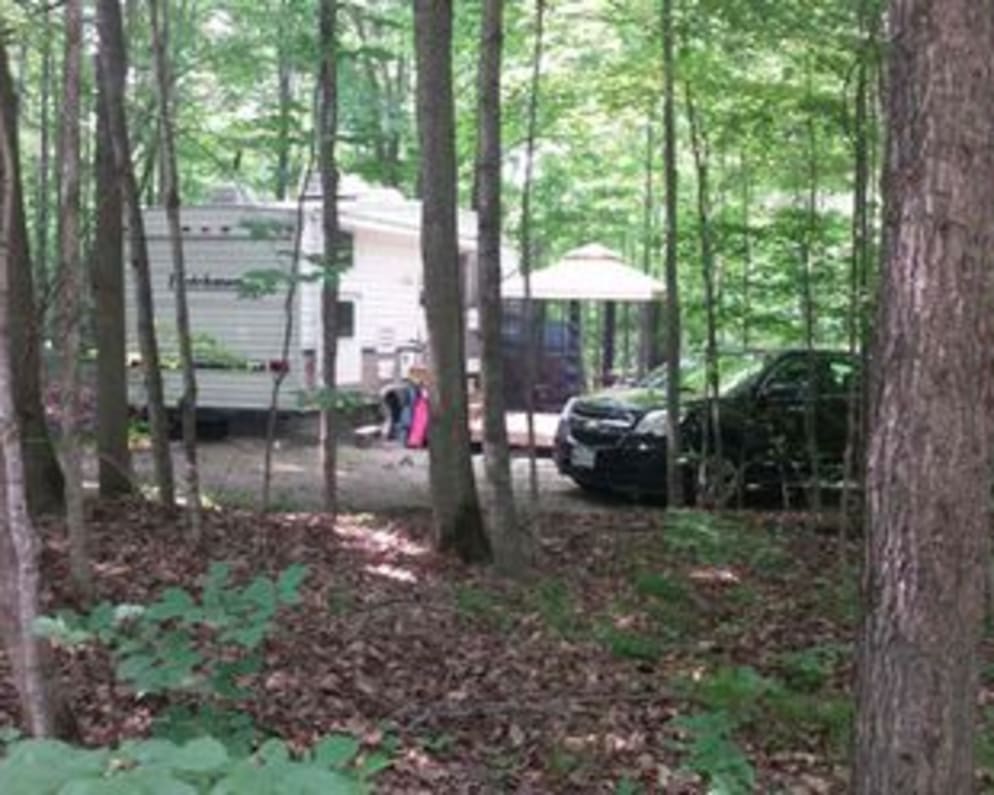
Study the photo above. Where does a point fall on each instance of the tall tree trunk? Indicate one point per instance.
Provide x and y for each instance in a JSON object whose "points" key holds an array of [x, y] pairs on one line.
{"points": [[746, 318], [113, 70], [511, 545], [858, 265], [713, 466], [43, 475], [527, 255], [159, 18], [44, 164], [650, 352], [42, 710], [674, 475], [107, 280], [289, 311], [332, 248], [284, 74], [69, 303], [928, 476], [458, 522], [811, 397]]}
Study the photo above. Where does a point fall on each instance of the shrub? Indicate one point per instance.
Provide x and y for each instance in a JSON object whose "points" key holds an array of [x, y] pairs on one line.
{"points": [[179, 644], [713, 755], [198, 767]]}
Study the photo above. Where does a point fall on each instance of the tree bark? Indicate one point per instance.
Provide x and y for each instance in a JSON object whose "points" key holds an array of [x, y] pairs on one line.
{"points": [[527, 255], [674, 475], [458, 523], [42, 472], [284, 75], [328, 24], [746, 310], [44, 165], [159, 19], [69, 303], [808, 312], [928, 475], [651, 315], [511, 544], [42, 711], [712, 454], [113, 69], [289, 306], [107, 279]]}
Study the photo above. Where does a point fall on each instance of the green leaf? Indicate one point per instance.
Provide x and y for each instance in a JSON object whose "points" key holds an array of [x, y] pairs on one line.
{"points": [[289, 582], [214, 584], [374, 764], [63, 630], [273, 752], [42, 767], [203, 755], [336, 751], [174, 603], [307, 780]]}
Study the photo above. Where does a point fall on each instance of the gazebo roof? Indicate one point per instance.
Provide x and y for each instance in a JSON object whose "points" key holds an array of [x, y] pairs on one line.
{"points": [[590, 273]]}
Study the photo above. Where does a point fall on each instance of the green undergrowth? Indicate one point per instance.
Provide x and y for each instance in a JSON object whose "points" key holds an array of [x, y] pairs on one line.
{"points": [[336, 765]]}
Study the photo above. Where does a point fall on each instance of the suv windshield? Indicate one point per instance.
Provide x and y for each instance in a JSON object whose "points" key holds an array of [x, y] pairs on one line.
{"points": [[734, 370]]}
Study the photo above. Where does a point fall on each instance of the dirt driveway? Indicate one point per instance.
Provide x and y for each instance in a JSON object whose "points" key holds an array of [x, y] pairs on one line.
{"points": [[384, 477]]}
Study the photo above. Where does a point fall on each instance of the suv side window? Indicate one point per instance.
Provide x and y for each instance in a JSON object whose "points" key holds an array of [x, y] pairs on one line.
{"points": [[839, 375], [788, 378]]}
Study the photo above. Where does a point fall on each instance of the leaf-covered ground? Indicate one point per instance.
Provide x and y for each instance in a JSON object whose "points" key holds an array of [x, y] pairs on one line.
{"points": [[650, 652]]}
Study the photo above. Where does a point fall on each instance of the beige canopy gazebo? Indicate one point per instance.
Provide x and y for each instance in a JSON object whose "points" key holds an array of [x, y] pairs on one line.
{"points": [[590, 274]]}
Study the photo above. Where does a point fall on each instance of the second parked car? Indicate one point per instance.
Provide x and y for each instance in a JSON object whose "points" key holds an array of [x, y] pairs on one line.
{"points": [[616, 440]]}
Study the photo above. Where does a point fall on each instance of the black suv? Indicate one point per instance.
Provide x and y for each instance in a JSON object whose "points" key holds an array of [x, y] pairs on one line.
{"points": [[616, 440]]}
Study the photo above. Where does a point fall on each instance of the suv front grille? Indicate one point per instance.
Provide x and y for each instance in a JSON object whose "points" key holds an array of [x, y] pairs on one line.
{"points": [[600, 430]]}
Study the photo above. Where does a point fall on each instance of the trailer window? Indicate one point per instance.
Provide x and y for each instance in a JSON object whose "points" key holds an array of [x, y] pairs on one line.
{"points": [[346, 319]]}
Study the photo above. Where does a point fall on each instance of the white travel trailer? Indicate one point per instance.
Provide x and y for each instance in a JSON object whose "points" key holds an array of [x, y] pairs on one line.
{"points": [[238, 339]]}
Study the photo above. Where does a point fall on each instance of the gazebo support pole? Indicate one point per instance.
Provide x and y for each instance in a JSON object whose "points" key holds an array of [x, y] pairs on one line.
{"points": [[608, 347], [575, 334], [626, 324]]}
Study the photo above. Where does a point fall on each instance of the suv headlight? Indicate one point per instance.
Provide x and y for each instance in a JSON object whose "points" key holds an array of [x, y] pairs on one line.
{"points": [[652, 424]]}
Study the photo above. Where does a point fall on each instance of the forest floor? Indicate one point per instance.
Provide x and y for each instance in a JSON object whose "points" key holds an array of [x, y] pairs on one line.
{"points": [[649, 652]]}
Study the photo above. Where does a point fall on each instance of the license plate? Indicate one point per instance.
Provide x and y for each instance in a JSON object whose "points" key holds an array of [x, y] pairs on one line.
{"points": [[582, 457]]}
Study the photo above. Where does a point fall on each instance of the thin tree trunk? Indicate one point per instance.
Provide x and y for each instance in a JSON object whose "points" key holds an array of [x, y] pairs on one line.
{"points": [[284, 76], [527, 254], [43, 712], [852, 469], [746, 254], [458, 522], [651, 316], [159, 19], [811, 396], [107, 280], [69, 304], [113, 69], [332, 248], [44, 161], [511, 544], [674, 474], [712, 463], [289, 309], [42, 472], [929, 454]]}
